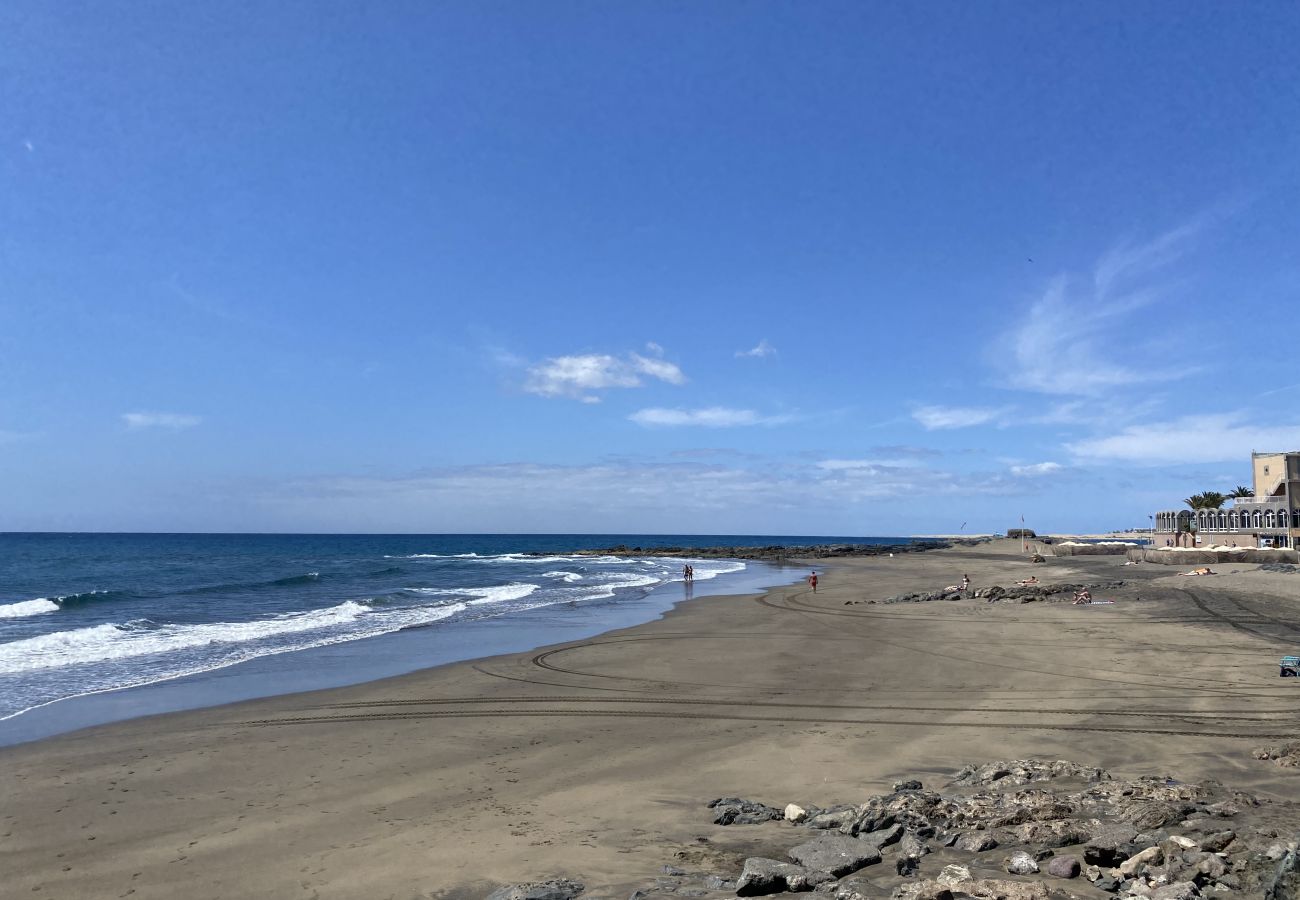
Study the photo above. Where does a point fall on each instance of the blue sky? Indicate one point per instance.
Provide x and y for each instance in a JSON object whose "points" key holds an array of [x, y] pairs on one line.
{"points": [[684, 267]]}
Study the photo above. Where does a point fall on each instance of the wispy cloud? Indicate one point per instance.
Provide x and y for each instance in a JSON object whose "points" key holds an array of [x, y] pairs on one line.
{"points": [[758, 351], [1065, 343], [935, 418], [1190, 439], [653, 495], [172, 421], [708, 417], [844, 465], [1036, 469], [580, 376]]}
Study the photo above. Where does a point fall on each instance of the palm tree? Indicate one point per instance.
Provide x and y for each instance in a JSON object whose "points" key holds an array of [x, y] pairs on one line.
{"points": [[1212, 500], [1195, 501], [1241, 491]]}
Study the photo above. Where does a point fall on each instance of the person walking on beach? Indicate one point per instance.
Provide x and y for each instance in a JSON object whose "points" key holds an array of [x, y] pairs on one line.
{"points": [[812, 582], [965, 584]]}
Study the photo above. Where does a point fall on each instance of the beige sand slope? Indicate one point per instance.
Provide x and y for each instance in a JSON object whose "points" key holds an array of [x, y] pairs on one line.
{"points": [[595, 759]]}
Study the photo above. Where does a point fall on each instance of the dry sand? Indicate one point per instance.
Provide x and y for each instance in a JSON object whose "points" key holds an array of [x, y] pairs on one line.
{"points": [[595, 759]]}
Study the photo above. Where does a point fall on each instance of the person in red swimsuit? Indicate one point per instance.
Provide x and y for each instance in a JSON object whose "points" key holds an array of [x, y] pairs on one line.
{"points": [[812, 581]]}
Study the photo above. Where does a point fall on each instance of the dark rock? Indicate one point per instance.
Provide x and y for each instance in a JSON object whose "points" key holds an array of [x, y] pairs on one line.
{"points": [[907, 866], [910, 785], [1220, 840], [1107, 884], [769, 876], [1109, 846], [835, 817], [883, 838], [912, 845], [837, 854], [555, 889], [976, 842], [1063, 867], [736, 811], [871, 821], [1283, 883]]}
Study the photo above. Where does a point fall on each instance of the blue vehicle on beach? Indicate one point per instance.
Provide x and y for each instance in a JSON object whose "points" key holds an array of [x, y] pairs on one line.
{"points": [[1290, 667]]}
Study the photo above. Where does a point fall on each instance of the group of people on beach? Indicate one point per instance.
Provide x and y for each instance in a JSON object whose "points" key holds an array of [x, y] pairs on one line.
{"points": [[688, 573]]}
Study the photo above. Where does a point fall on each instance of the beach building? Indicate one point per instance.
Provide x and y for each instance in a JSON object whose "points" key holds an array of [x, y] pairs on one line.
{"points": [[1271, 518]]}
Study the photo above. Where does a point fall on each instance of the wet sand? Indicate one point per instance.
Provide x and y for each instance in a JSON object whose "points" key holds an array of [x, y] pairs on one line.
{"points": [[595, 759]]}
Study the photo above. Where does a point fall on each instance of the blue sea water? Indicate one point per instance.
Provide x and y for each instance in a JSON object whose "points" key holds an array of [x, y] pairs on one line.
{"points": [[220, 617]]}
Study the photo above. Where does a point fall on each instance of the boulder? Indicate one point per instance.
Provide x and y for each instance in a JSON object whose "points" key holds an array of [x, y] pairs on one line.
{"points": [[1108, 845], [736, 811], [980, 889], [769, 876], [795, 813], [912, 845], [1020, 863], [555, 889], [976, 842], [849, 889], [910, 785], [951, 876], [1151, 856], [1180, 890], [1063, 867], [883, 838], [837, 854], [1061, 833], [1213, 843]]}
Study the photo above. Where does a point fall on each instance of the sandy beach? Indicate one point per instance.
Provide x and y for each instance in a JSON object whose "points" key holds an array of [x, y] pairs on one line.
{"points": [[596, 759]]}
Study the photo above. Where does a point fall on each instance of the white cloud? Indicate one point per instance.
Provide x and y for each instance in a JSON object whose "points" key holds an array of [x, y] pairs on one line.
{"points": [[758, 351], [709, 417], [1190, 439], [841, 465], [1042, 468], [577, 376], [933, 418], [1071, 342], [174, 421]]}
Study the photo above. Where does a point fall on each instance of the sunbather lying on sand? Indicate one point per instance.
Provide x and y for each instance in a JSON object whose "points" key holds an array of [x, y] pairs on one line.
{"points": [[1202, 570], [1082, 597], [1032, 579]]}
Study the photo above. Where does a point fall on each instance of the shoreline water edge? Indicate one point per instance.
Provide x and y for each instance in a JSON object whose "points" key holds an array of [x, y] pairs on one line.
{"points": [[124, 651]]}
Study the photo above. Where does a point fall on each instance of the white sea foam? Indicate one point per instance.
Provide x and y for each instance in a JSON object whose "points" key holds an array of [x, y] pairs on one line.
{"points": [[495, 594], [435, 556], [109, 641], [570, 577], [36, 607]]}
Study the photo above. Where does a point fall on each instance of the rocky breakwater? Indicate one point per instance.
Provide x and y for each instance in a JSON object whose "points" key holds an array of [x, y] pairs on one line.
{"points": [[1020, 593], [778, 552], [1024, 829]]}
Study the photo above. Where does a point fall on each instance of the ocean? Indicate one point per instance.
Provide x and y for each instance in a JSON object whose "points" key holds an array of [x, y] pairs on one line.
{"points": [[90, 622]]}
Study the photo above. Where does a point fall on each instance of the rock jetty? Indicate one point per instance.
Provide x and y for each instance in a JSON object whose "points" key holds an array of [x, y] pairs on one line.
{"points": [[1025, 829]]}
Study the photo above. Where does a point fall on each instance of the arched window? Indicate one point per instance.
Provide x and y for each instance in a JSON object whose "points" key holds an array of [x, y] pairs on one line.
{"points": [[1268, 518], [1257, 519]]}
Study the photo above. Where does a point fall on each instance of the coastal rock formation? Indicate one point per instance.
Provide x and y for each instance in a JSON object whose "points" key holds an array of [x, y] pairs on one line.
{"points": [[1023, 593], [837, 854], [769, 876], [1287, 755], [555, 889], [1065, 828], [735, 811]]}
